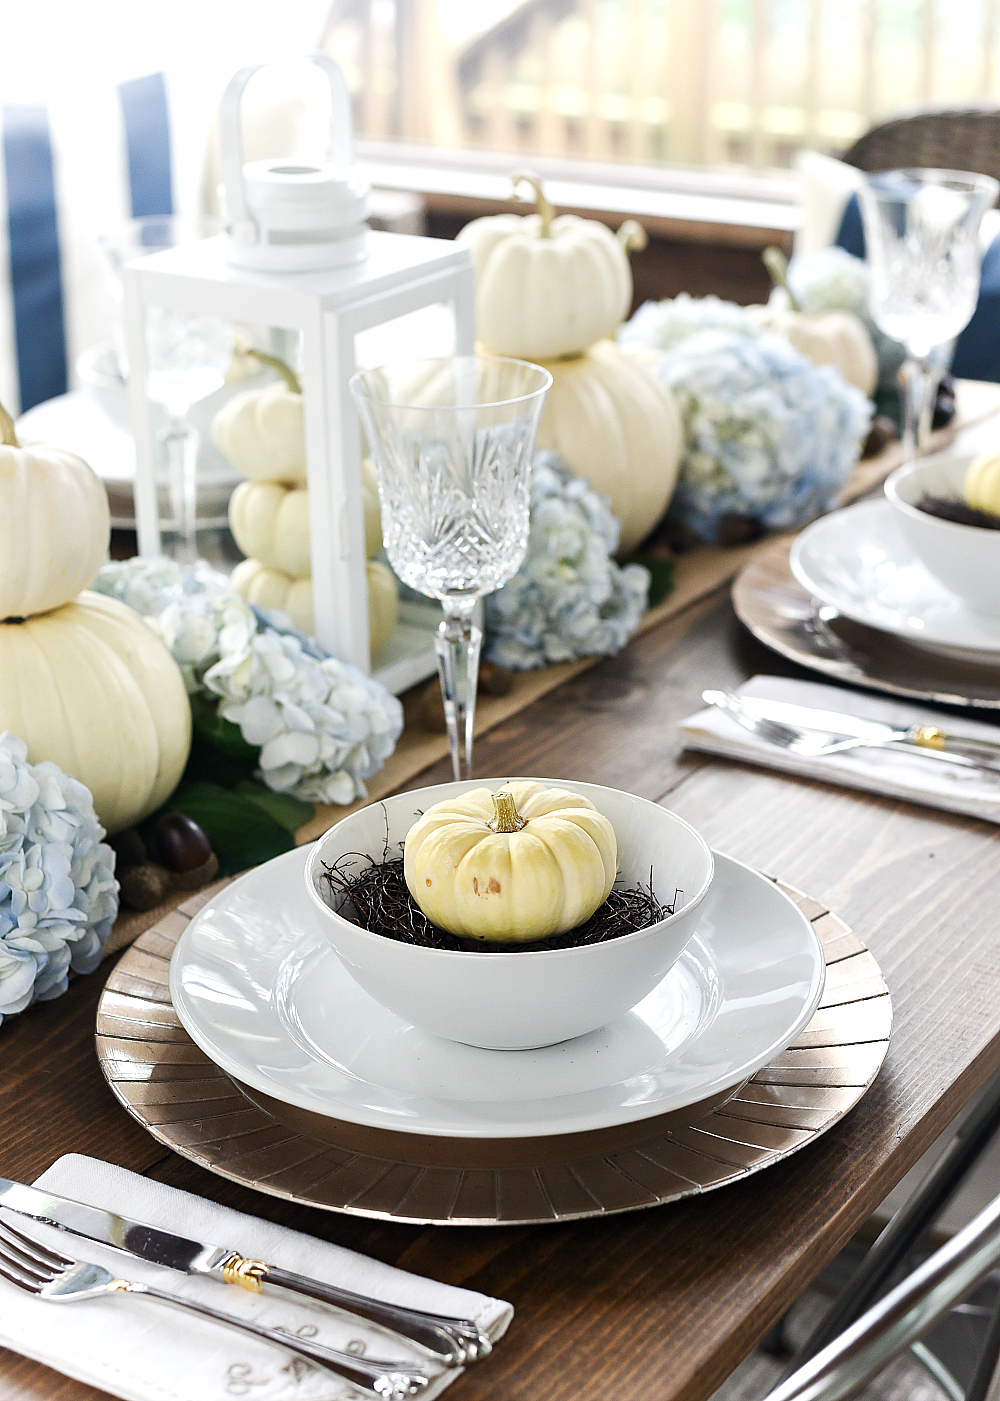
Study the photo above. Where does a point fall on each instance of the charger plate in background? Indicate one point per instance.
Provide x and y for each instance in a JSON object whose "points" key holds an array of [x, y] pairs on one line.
{"points": [[770, 601], [189, 1104]]}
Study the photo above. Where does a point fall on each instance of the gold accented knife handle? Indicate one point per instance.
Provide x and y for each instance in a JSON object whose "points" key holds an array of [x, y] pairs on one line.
{"points": [[455, 1341], [931, 737], [246, 1273]]}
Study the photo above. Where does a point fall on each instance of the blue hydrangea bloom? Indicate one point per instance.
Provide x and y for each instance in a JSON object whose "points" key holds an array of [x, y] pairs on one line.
{"points": [[58, 893], [322, 726], [662, 325], [768, 434], [569, 599]]}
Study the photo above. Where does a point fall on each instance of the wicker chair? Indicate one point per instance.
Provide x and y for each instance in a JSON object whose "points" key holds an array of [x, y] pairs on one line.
{"points": [[946, 139]]}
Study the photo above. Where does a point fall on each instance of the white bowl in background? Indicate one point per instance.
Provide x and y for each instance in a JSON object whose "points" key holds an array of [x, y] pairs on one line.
{"points": [[966, 558], [518, 1000]]}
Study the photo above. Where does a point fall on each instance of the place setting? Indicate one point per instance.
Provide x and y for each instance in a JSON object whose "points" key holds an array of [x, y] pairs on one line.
{"points": [[895, 594]]}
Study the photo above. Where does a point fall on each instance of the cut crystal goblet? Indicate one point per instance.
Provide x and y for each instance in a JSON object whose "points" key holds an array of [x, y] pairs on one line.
{"points": [[452, 441]]}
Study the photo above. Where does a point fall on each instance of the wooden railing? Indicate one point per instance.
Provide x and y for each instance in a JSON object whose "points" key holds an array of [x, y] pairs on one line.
{"points": [[697, 82]]}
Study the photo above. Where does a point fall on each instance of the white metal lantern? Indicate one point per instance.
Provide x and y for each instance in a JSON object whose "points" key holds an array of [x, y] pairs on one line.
{"points": [[299, 260]]}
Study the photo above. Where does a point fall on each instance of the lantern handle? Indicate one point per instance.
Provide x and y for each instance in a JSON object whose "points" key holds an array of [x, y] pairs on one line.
{"points": [[244, 227]]}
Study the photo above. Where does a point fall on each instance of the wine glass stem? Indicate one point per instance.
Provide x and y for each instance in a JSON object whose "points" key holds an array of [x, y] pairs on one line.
{"points": [[919, 382], [457, 643], [181, 442]]}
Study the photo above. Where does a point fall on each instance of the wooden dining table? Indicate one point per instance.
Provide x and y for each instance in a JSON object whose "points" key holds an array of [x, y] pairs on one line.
{"points": [[661, 1302]]}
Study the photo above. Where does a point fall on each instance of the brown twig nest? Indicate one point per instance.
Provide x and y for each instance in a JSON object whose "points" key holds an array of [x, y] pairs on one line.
{"points": [[377, 898]]}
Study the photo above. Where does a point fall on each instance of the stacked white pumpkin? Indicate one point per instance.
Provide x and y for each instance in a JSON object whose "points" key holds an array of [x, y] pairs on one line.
{"points": [[262, 433], [554, 290], [83, 680]]}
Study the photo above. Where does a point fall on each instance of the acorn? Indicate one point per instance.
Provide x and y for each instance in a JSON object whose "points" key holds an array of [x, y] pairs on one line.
{"points": [[129, 849], [143, 887], [181, 844], [881, 433], [495, 680], [197, 876]]}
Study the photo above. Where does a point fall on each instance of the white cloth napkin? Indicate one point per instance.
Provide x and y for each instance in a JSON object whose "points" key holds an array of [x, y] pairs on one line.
{"points": [[148, 1351], [974, 792]]}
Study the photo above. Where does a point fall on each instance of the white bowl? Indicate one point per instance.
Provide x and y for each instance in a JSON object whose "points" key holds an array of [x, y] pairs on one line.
{"points": [[966, 558], [521, 1000]]}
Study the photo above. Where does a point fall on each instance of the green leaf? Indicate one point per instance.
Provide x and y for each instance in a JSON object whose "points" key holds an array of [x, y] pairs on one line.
{"points": [[287, 811], [219, 753], [242, 833], [661, 575], [661, 579], [221, 734]]}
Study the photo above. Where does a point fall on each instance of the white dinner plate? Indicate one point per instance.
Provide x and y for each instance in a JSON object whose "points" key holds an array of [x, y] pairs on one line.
{"points": [[261, 992], [858, 561]]}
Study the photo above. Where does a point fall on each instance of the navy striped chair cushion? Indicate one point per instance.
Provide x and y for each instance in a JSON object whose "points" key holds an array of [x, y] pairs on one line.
{"points": [[40, 232]]}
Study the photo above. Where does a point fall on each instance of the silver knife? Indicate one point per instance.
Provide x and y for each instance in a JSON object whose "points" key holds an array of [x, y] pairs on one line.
{"points": [[930, 739], [454, 1341]]}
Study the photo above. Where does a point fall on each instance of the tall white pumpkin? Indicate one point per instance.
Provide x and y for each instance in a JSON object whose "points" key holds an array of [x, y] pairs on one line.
{"points": [[90, 686], [612, 423]]}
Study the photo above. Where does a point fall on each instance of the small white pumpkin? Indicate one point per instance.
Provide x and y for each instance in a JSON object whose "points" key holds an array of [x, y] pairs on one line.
{"points": [[981, 487], [614, 424], [514, 866], [545, 286], [270, 522], [270, 588], [91, 687], [56, 525], [835, 338], [262, 431]]}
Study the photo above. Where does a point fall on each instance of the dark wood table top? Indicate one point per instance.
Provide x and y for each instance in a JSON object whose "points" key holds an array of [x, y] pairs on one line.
{"points": [[660, 1302]]}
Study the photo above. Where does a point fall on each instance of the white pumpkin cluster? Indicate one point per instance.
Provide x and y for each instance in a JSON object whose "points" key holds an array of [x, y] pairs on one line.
{"points": [[553, 290], [321, 725], [262, 433], [82, 682], [768, 434], [58, 893], [569, 599]]}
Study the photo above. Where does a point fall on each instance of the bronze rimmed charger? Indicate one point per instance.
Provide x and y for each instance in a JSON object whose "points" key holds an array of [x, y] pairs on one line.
{"points": [[780, 613], [187, 1103]]}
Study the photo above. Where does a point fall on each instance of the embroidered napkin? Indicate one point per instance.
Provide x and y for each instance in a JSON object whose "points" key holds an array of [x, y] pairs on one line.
{"points": [[896, 773], [144, 1350]]}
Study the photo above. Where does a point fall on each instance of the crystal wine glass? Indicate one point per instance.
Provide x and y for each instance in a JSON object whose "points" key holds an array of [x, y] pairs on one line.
{"points": [[452, 441], [922, 240], [188, 357]]}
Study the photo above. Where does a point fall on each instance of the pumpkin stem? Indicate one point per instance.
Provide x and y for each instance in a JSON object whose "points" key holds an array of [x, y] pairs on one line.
{"points": [[7, 435], [273, 363], [506, 817], [777, 265], [632, 236], [545, 209]]}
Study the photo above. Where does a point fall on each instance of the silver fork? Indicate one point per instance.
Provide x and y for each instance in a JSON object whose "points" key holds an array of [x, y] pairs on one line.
{"points": [[813, 743], [42, 1271], [808, 742]]}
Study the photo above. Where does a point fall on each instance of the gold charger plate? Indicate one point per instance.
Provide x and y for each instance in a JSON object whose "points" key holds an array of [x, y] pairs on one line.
{"points": [[187, 1103], [779, 612]]}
